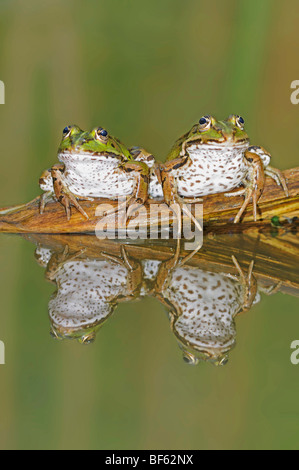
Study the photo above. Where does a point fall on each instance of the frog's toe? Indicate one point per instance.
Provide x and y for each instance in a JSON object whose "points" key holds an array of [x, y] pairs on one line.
{"points": [[278, 177], [235, 193], [248, 193], [44, 199], [73, 200]]}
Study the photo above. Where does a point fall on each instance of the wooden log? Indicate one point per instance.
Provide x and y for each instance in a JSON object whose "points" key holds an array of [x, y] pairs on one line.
{"points": [[218, 212]]}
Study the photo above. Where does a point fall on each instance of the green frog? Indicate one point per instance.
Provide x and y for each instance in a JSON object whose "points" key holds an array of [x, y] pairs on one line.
{"points": [[93, 164], [216, 157]]}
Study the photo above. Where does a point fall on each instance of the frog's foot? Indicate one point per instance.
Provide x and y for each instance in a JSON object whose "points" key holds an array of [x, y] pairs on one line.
{"points": [[64, 195], [272, 289], [248, 193], [188, 257], [170, 191], [120, 207], [166, 267], [248, 283], [140, 172], [254, 184], [191, 200], [44, 199], [57, 261], [134, 268], [123, 260], [278, 177]]}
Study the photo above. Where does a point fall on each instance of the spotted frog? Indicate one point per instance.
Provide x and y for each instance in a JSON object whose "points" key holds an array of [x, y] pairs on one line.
{"points": [[93, 164], [216, 157]]}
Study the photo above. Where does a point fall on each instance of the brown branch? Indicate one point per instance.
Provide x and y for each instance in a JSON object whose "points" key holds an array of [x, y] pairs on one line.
{"points": [[219, 212]]}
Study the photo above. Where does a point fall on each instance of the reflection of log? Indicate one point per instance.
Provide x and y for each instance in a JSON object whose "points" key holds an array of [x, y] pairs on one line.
{"points": [[218, 212], [276, 259]]}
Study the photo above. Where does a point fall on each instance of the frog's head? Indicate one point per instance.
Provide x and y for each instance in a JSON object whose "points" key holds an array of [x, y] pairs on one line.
{"points": [[98, 142], [203, 340], [229, 132]]}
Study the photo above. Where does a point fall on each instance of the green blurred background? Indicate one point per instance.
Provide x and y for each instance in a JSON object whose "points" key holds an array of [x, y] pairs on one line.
{"points": [[146, 71]]}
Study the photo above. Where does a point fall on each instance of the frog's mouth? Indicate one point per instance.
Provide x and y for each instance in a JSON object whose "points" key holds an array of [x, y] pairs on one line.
{"points": [[216, 144], [67, 156]]}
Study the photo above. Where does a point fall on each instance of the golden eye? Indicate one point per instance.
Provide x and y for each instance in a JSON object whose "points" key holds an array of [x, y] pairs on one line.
{"points": [[66, 131], [88, 339], [223, 361], [102, 134], [205, 122], [190, 358], [240, 122]]}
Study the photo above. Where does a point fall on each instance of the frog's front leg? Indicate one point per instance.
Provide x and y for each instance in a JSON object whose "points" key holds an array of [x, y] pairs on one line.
{"points": [[166, 268], [254, 184], [257, 160], [63, 194], [170, 191], [248, 283], [134, 280], [58, 260], [140, 172], [141, 175]]}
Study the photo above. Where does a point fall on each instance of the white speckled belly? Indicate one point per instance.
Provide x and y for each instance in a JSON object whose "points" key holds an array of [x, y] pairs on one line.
{"points": [[85, 291], [155, 190], [96, 176], [207, 303], [213, 170]]}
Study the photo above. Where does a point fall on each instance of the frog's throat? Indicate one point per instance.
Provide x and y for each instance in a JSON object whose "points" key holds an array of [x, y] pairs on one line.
{"points": [[65, 156], [227, 144]]}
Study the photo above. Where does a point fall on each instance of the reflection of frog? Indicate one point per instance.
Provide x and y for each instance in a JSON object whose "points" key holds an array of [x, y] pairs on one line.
{"points": [[201, 304], [88, 290]]}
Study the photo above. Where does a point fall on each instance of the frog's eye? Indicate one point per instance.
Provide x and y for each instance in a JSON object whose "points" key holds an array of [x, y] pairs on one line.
{"points": [[205, 122], [190, 359], [66, 131], [54, 334], [240, 122], [101, 134], [87, 339]]}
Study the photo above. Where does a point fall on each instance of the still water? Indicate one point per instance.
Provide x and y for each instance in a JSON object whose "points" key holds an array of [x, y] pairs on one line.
{"points": [[110, 345]]}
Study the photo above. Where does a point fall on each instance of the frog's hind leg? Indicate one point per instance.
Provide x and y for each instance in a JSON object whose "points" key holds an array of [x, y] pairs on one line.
{"points": [[278, 177], [248, 283], [254, 184]]}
